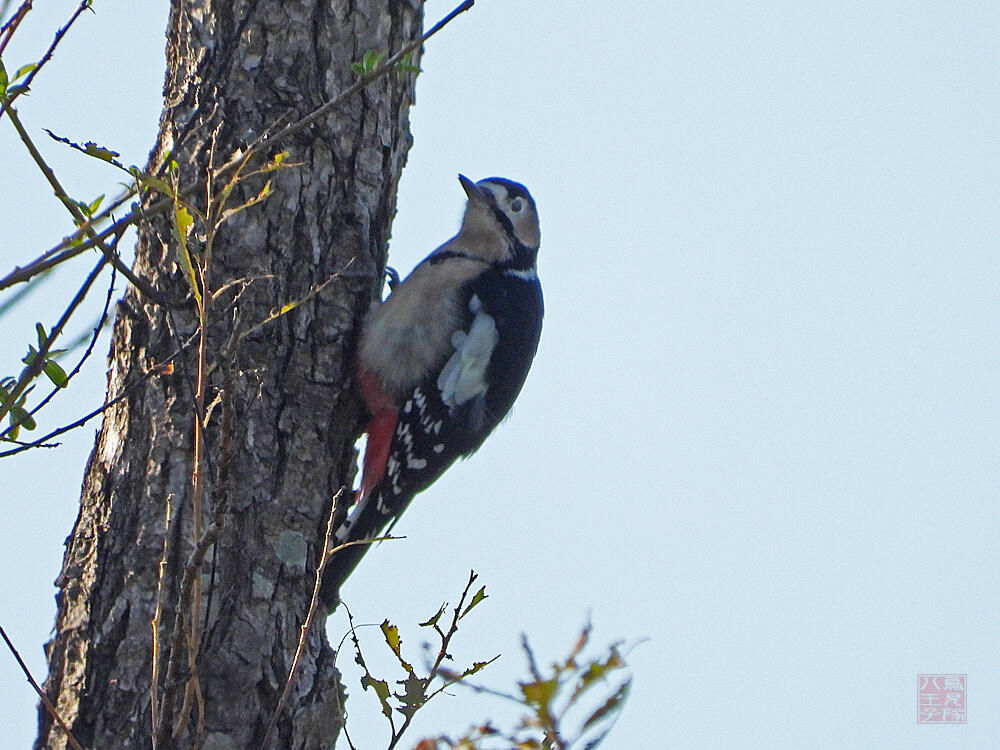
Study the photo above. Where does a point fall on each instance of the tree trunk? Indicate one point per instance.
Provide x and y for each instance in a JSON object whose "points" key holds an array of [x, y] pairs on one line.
{"points": [[279, 438]]}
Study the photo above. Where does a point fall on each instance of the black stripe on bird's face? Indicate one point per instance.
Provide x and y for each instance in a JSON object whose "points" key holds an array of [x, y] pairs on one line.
{"points": [[512, 207]]}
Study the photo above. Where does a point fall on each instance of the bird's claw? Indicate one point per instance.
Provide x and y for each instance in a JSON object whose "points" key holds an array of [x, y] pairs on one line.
{"points": [[392, 277]]}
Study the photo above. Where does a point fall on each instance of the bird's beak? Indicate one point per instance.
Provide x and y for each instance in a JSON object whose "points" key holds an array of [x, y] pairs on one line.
{"points": [[472, 190]]}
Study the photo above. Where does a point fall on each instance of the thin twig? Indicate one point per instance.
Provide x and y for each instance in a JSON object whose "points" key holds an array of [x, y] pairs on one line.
{"points": [[66, 250], [84, 5], [303, 635], [191, 573], [38, 363], [357, 647], [157, 370], [85, 223], [289, 306], [17, 297], [10, 27], [44, 698], [154, 703], [90, 346], [45, 261], [34, 444], [387, 67], [442, 655], [193, 617], [49, 258], [144, 287]]}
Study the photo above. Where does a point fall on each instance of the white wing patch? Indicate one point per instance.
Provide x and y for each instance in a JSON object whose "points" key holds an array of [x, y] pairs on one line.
{"points": [[463, 377]]}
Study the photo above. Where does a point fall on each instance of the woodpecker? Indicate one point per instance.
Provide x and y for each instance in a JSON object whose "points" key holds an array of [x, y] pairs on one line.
{"points": [[441, 361]]}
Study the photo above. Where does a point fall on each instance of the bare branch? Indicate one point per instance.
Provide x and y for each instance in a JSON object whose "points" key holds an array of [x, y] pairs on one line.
{"points": [[313, 601], [31, 371], [44, 698], [85, 223], [158, 370], [90, 346], [11, 26], [191, 573], [84, 5], [387, 67], [66, 250]]}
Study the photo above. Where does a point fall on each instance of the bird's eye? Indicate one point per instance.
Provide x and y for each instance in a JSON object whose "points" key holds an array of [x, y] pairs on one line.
{"points": [[516, 205]]}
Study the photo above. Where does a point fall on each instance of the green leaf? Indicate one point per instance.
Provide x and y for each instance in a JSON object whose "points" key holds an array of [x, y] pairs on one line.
{"points": [[597, 670], [539, 693], [153, 183], [24, 70], [368, 63], [381, 688], [277, 162], [29, 358], [414, 694], [477, 666], [391, 633], [95, 204], [42, 337], [611, 705], [99, 152], [182, 226], [479, 596], [184, 220], [434, 619], [20, 418], [3, 76], [90, 149], [55, 373], [405, 65]]}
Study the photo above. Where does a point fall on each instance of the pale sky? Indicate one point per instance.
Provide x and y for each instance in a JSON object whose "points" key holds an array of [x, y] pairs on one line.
{"points": [[761, 433]]}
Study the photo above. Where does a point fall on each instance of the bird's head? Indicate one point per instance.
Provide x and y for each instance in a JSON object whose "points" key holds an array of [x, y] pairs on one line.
{"points": [[500, 208]]}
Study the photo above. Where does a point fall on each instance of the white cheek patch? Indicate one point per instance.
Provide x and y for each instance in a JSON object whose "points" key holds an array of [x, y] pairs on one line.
{"points": [[463, 377]]}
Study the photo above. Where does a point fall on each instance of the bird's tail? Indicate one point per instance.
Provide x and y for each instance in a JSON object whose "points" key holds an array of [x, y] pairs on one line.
{"points": [[367, 519]]}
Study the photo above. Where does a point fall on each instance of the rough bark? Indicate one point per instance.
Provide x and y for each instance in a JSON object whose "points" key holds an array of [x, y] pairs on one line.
{"points": [[233, 70]]}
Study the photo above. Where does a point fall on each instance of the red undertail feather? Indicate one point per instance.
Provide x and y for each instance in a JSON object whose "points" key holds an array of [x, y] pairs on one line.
{"points": [[380, 430]]}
